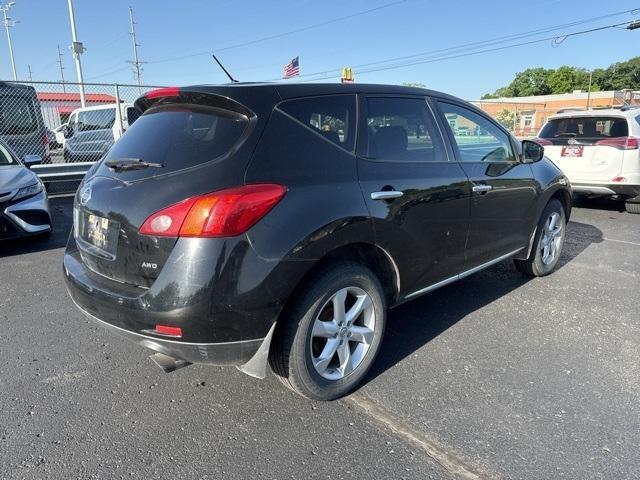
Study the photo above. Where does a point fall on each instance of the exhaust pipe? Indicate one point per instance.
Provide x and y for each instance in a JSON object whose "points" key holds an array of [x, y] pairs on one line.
{"points": [[167, 363]]}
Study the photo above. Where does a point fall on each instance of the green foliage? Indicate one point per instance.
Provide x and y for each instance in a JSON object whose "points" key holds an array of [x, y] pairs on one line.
{"points": [[506, 118], [414, 84], [566, 79]]}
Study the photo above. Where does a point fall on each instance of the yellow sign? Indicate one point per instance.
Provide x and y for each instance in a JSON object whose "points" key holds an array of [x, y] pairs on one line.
{"points": [[347, 75]]}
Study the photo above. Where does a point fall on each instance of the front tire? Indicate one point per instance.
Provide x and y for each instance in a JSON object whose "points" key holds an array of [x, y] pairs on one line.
{"points": [[330, 335], [548, 242]]}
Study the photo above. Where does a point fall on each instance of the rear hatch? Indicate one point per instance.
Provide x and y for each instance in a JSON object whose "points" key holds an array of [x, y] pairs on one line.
{"points": [[191, 143], [587, 148], [21, 124]]}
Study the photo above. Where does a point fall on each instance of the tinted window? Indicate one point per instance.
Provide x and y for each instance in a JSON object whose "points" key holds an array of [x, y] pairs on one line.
{"points": [[96, 119], [5, 157], [332, 116], [638, 119], [585, 127], [477, 138], [401, 130], [17, 115], [180, 137]]}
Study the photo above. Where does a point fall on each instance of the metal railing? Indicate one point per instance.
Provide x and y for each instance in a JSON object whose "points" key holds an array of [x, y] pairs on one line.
{"points": [[48, 119]]}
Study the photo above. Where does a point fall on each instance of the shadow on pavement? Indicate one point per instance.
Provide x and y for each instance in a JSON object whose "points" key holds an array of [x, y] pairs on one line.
{"points": [[62, 220], [414, 324], [598, 203]]}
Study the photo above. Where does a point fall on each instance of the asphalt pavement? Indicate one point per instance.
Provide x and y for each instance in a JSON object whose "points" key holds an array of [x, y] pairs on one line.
{"points": [[496, 376]]}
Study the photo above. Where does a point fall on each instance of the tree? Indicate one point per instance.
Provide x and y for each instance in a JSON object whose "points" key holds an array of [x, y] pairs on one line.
{"points": [[507, 118], [532, 81], [566, 79], [414, 84]]}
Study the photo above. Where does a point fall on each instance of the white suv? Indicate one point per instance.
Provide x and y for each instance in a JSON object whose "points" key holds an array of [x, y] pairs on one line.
{"points": [[598, 150]]}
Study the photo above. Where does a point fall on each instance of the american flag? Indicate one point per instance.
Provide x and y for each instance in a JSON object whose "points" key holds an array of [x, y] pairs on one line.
{"points": [[292, 68]]}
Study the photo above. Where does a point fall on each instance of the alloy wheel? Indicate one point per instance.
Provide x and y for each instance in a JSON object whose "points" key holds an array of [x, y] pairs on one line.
{"points": [[342, 333]]}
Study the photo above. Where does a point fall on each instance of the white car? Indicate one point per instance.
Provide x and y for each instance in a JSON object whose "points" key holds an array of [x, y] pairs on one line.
{"points": [[598, 150]]}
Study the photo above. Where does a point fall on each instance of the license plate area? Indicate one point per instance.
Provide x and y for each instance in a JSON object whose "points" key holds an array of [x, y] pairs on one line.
{"points": [[95, 234], [572, 151]]}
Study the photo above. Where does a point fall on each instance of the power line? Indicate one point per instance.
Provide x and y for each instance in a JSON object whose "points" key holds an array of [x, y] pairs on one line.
{"points": [[419, 61], [280, 35]]}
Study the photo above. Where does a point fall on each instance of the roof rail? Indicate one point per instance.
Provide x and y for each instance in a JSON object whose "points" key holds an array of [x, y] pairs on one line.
{"points": [[626, 107]]}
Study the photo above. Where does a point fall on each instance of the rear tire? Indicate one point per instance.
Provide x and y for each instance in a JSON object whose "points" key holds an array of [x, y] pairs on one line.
{"points": [[632, 207], [323, 350], [548, 242]]}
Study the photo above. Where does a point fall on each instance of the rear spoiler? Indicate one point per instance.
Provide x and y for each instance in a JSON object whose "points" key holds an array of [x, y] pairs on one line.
{"points": [[187, 96]]}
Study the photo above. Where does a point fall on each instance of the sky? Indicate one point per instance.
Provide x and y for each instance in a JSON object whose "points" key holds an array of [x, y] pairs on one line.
{"points": [[255, 39]]}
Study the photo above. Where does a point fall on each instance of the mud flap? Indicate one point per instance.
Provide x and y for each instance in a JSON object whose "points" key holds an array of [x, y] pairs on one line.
{"points": [[257, 365]]}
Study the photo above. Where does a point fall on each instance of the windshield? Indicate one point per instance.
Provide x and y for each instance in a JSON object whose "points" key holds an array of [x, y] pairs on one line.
{"points": [[17, 116], [179, 136], [585, 129]]}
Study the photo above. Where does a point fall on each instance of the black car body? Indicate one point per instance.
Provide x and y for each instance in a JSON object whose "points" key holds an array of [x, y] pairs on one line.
{"points": [[368, 174]]}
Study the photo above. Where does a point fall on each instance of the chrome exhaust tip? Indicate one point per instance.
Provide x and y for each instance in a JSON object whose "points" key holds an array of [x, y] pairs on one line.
{"points": [[167, 363]]}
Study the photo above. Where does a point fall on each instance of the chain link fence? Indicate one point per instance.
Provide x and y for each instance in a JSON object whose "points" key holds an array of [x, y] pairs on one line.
{"points": [[56, 124]]}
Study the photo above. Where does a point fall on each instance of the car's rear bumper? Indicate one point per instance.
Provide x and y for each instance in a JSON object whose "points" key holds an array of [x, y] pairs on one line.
{"points": [[224, 315], [597, 188], [224, 353]]}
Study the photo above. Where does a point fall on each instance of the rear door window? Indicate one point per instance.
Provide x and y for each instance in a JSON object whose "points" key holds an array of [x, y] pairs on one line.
{"points": [[89, 120], [402, 130], [331, 116], [17, 116], [179, 136], [584, 130]]}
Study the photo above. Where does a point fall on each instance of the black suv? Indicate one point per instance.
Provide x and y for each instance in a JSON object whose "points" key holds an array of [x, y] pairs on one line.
{"points": [[249, 224]]}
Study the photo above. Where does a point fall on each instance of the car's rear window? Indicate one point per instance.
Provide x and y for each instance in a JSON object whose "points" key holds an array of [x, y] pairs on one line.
{"points": [[17, 116], [100, 119], [591, 128], [180, 136]]}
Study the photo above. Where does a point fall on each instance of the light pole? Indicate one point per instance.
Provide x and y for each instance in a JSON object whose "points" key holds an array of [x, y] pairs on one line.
{"points": [[77, 49], [9, 22]]}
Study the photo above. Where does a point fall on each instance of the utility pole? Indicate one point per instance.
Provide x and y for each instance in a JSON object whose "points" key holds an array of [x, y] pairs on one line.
{"points": [[30, 74], [61, 69], [77, 49], [589, 91], [136, 60], [9, 22]]}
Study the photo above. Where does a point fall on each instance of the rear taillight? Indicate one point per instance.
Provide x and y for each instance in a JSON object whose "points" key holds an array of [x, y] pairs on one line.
{"points": [[621, 143], [542, 141], [162, 93], [225, 213], [618, 179]]}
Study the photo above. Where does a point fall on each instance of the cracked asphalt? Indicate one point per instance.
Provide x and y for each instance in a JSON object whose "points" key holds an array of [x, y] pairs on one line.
{"points": [[496, 376]]}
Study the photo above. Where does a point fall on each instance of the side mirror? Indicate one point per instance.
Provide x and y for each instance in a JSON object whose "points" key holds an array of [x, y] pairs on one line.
{"points": [[30, 160], [67, 131], [531, 151]]}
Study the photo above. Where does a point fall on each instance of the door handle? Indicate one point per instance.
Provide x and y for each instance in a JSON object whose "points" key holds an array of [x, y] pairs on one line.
{"points": [[481, 188], [386, 195]]}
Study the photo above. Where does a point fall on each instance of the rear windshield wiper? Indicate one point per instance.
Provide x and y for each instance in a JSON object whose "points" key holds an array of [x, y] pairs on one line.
{"points": [[121, 164], [567, 134]]}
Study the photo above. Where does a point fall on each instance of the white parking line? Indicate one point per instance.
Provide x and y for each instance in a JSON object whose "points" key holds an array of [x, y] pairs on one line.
{"points": [[622, 241], [440, 454]]}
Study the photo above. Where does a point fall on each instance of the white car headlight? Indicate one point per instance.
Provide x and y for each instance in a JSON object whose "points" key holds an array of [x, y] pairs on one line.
{"points": [[28, 191]]}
